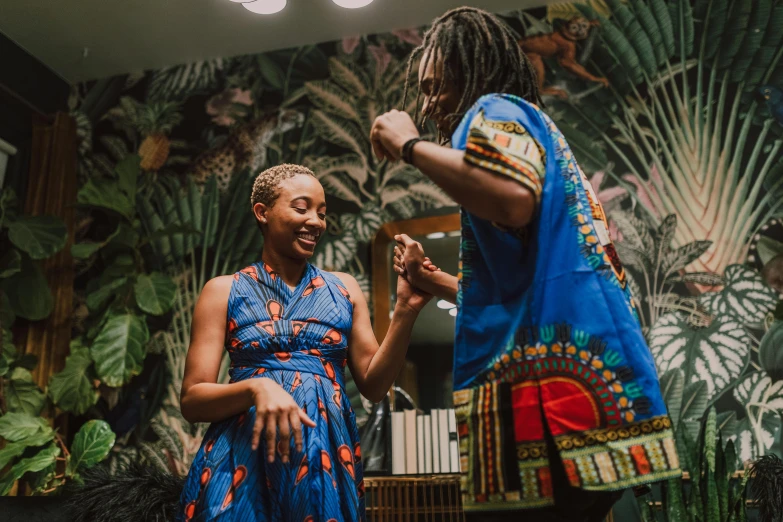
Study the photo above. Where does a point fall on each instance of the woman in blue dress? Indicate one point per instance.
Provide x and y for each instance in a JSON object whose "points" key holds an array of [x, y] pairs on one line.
{"points": [[283, 444]]}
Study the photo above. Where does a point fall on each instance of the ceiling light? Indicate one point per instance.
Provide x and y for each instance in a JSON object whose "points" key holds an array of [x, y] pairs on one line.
{"points": [[264, 6], [352, 4], [436, 235], [453, 312]]}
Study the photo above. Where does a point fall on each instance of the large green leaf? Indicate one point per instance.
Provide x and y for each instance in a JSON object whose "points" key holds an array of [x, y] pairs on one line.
{"points": [[662, 16], [716, 354], [28, 292], [7, 315], [10, 263], [95, 300], [746, 296], [22, 394], [155, 293], [11, 450], [71, 389], [339, 132], [736, 28], [119, 349], [756, 33], [18, 426], [105, 193], [39, 236], [694, 400], [650, 25], [632, 29], [43, 459], [771, 350], [682, 19], [672, 388], [90, 446]]}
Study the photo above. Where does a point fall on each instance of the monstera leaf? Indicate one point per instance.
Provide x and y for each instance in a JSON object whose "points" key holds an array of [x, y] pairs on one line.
{"points": [[90, 446], [22, 394], [39, 236], [716, 354], [119, 349], [72, 388], [746, 296]]}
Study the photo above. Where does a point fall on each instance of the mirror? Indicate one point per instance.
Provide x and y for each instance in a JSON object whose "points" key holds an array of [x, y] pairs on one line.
{"points": [[427, 374]]}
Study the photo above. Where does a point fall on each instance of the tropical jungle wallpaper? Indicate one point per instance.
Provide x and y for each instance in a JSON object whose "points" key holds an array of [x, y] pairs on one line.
{"points": [[674, 108]]}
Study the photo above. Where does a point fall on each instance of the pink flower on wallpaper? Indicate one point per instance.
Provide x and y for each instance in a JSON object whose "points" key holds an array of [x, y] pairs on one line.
{"points": [[227, 106], [351, 43], [382, 57], [647, 191], [411, 36], [606, 196]]}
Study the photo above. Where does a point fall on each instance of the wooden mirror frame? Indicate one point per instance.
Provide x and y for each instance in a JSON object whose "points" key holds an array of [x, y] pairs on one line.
{"points": [[382, 265]]}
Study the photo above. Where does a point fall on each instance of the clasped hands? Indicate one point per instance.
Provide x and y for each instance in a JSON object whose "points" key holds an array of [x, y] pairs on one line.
{"points": [[410, 262]]}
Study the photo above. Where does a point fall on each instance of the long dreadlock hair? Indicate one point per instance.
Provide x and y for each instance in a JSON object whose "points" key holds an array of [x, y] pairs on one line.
{"points": [[480, 56]]}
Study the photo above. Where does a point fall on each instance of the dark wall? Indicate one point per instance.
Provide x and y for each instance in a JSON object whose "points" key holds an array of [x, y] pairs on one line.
{"points": [[27, 88]]}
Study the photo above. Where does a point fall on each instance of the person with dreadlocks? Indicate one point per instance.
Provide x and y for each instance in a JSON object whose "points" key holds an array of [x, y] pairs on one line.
{"points": [[558, 401]]}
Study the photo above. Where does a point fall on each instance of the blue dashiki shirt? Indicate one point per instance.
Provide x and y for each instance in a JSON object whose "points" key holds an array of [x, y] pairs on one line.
{"points": [[547, 334]]}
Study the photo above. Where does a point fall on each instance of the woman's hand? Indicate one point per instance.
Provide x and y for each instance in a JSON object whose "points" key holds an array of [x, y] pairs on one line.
{"points": [[277, 411], [408, 295], [390, 132], [410, 261]]}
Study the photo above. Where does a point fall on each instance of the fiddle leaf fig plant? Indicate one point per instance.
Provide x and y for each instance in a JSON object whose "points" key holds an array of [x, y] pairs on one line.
{"points": [[23, 241]]}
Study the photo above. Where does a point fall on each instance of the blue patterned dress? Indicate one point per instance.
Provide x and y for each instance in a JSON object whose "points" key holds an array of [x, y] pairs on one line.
{"points": [[298, 338], [547, 332]]}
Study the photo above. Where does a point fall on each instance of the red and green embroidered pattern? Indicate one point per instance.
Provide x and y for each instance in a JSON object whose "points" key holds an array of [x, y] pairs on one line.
{"points": [[569, 382]]}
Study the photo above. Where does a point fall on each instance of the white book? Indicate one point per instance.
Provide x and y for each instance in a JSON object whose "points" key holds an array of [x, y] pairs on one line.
{"points": [[411, 458], [427, 443], [443, 445], [398, 442], [435, 441], [420, 443], [453, 442]]}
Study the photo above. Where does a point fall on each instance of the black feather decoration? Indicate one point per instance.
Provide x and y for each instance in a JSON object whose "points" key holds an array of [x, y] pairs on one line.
{"points": [[139, 493], [767, 488]]}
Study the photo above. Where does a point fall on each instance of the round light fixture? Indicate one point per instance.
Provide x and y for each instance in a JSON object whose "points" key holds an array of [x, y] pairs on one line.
{"points": [[264, 6], [352, 4]]}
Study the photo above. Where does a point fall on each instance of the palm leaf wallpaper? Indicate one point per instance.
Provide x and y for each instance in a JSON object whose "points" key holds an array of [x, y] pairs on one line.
{"points": [[674, 108]]}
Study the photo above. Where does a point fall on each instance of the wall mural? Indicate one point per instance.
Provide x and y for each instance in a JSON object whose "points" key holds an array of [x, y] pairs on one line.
{"points": [[674, 109]]}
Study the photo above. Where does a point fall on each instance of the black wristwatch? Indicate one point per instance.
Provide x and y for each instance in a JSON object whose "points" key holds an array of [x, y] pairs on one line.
{"points": [[407, 150]]}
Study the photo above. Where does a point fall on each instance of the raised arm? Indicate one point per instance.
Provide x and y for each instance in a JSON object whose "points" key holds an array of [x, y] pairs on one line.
{"points": [[204, 400], [375, 367], [480, 191]]}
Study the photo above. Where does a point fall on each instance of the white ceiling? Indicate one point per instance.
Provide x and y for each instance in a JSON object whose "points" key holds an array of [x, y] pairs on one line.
{"points": [[131, 35]]}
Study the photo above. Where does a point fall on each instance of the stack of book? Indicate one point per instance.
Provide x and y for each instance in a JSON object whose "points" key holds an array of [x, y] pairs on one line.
{"points": [[424, 444]]}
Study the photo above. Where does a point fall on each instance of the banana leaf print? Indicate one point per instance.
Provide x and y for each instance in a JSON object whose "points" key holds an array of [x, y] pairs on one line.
{"points": [[683, 99]]}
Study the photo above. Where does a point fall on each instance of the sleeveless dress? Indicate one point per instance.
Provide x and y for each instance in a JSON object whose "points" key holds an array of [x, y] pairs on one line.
{"points": [[298, 338], [548, 337]]}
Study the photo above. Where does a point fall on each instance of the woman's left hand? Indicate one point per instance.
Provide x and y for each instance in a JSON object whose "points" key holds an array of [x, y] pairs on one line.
{"points": [[390, 132], [408, 295]]}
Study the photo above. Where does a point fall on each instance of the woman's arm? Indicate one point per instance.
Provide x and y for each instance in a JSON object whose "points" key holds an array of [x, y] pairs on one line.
{"points": [[374, 367], [203, 400]]}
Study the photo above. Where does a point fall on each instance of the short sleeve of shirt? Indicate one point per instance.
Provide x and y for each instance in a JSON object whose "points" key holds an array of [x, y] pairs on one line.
{"points": [[506, 147]]}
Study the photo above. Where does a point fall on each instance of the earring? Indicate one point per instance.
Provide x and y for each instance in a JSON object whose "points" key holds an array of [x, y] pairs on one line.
{"points": [[263, 220]]}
